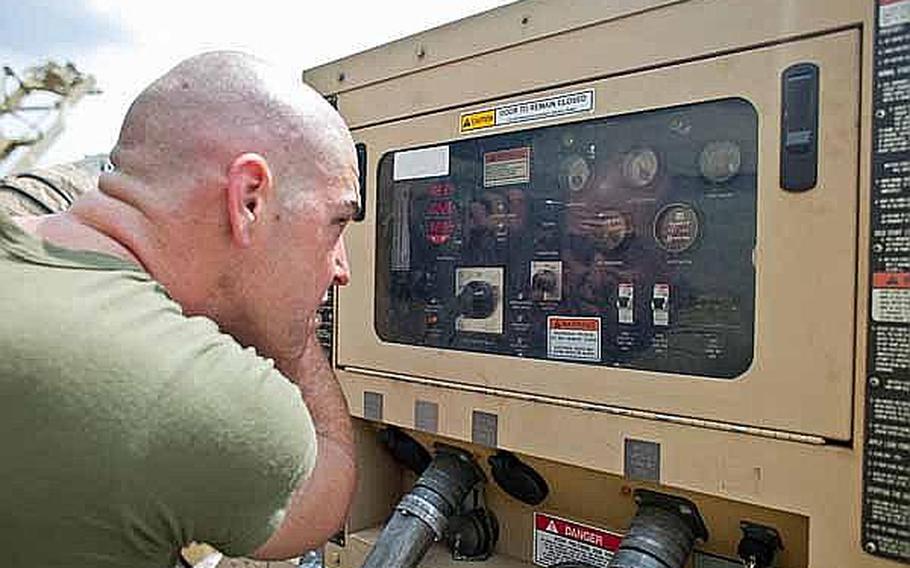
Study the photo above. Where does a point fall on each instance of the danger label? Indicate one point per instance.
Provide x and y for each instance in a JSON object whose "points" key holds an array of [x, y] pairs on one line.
{"points": [[559, 540], [891, 297], [575, 339]]}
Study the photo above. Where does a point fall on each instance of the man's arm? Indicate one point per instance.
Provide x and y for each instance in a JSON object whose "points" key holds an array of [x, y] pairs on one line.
{"points": [[320, 503]]}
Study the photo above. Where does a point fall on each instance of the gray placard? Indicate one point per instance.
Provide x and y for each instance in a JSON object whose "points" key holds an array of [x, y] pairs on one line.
{"points": [[642, 460], [426, 416], [372, 405], [484, 428]]}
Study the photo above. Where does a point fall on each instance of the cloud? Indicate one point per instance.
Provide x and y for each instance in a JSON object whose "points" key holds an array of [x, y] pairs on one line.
{"points": [[55, 28], [156, 35]]}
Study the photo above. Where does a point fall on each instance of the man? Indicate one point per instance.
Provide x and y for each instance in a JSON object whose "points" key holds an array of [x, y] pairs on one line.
{"points": [[160, 381]]}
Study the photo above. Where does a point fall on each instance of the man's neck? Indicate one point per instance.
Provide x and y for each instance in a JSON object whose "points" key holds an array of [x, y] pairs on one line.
{"points": [[66, 230]]}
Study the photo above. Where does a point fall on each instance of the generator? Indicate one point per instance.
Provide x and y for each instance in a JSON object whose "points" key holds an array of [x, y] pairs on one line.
{"points": [[645, 266]]}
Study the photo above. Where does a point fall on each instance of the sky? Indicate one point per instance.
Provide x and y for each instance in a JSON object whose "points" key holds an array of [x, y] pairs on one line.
{"points": [[126, 44]]}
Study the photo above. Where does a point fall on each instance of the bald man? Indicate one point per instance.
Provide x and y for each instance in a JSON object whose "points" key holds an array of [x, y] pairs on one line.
{"points": [[160, 380]]}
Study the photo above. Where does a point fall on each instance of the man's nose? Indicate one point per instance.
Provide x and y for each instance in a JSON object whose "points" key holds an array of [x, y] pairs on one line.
{"points": [[341, 271]]}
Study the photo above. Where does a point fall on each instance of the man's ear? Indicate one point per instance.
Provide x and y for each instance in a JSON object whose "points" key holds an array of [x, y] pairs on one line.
{"points": [[249, 185]]}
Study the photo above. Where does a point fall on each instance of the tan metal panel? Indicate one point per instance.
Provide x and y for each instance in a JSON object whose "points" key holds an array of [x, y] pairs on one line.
{"points": [[791, 482], [493, 30], [619, 45], [802, 375]]}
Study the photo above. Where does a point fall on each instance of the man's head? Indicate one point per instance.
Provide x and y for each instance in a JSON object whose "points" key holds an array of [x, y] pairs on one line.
{"points": [[248, 179]]}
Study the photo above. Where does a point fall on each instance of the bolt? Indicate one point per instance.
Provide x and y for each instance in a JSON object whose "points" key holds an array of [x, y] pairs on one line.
{"points": [[871, 547], [874, 382]]}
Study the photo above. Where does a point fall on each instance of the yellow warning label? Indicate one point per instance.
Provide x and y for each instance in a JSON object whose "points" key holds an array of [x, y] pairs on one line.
{"points": [[478, 120]]}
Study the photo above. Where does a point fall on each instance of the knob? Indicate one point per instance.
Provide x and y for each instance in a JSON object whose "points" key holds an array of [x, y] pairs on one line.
{"points": [[477, 300]]}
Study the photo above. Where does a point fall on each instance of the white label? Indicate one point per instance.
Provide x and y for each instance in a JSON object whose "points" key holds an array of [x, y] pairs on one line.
{"points": [[558, 540], [574, 339], [893, 12], [540, 109], [625, 303], [891, 305], [660, 304], [423, 163], [506, 167], [493, 277]]}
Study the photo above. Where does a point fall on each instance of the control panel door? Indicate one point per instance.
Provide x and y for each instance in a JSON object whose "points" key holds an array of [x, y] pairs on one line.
{"points": [[679, 241]]}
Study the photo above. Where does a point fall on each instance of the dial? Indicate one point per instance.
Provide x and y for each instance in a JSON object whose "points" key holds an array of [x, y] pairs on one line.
{"points": [[640, 167], [676, 227], [574, 173], [720, 161]]}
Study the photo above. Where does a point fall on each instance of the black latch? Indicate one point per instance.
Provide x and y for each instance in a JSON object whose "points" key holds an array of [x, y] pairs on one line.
{"points": [[799, 127]]}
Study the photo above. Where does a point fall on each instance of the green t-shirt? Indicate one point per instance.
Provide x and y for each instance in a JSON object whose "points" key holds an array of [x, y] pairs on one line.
{"points": [[128, 429]]}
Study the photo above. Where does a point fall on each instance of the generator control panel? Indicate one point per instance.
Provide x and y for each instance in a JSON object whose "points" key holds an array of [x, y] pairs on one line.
{"points": [[623, 241]]}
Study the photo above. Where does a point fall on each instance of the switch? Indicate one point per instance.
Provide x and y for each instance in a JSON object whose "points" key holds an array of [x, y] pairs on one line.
{"points": [[625, 304], [660, 305]]}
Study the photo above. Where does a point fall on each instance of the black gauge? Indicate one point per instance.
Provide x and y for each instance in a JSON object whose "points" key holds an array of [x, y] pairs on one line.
{"points": [[640, 167], [676, 227], [574, 173], [720, 161], [611, 229]]}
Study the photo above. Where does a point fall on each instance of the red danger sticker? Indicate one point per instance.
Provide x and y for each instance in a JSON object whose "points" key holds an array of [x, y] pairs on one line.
{"points": [[558, 540]]}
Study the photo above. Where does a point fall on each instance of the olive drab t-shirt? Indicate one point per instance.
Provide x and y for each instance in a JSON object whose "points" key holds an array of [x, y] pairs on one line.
{"points": [[128, 429]]}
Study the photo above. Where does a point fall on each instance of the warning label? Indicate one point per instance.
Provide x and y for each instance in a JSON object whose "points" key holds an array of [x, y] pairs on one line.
{"points": [[529, 111], [478, 120], [891, 297], [575, 339], [893, 12], [507, 167], [559, 540]]}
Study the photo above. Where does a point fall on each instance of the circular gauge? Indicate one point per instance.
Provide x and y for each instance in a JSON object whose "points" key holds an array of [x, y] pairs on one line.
{"points": [[719, 161], [611, 229], [574, 173], [639, 167], [676, 227]]}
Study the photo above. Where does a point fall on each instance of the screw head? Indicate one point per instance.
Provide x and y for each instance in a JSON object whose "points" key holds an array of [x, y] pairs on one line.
{"points": [[871, 547], [341, 77], [874, 381]]}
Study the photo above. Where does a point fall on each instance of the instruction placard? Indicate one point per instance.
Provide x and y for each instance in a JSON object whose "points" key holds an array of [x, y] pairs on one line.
{"points": [[886, 447], [507, 167], [558, 540], [575, 339], [528, 111]]}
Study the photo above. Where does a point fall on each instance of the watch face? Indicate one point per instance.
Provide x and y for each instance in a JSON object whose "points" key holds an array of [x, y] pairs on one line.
{"points": [[676, 227], [640, 167], [574, 173], [720, 161]]}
